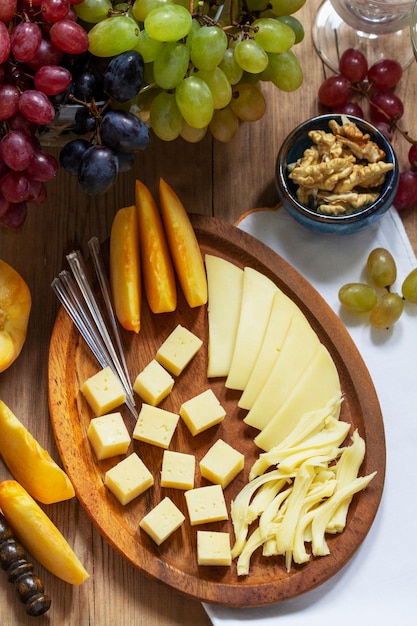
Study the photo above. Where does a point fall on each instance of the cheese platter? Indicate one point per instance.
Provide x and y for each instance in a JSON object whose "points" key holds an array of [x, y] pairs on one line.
{"points": [[174, 562]]}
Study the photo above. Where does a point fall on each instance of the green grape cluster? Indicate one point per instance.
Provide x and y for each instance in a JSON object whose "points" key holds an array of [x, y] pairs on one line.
{"points": [[204, 61], [384, 308]]}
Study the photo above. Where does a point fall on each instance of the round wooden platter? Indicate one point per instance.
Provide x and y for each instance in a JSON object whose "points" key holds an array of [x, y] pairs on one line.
{"points": [[175, 561]]}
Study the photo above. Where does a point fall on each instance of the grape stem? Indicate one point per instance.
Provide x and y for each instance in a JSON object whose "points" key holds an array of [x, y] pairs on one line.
{"points": [[392, 121]]}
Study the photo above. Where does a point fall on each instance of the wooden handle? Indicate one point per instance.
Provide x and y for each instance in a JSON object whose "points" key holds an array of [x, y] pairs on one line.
{"points": [[29, 587]]}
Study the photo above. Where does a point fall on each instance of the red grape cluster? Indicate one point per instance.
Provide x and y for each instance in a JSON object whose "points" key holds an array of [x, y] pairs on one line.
{"points": [[35, 35], [357, 82]]}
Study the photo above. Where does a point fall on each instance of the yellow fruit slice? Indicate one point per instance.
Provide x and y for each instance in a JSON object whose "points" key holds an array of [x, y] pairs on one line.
{"points": [[15, 306], [29, 463], [157, 269], [183, 244], [38, 534], [125, 272]]}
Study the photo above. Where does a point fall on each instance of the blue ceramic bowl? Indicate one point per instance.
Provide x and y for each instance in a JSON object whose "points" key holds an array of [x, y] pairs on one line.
{"points": [[293, 148]]}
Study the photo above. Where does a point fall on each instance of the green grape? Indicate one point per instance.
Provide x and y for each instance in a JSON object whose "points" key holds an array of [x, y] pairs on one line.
{"points": [[224, 125], [113, 36], [251, 56], [295, 25], [141, 106], [93, 11], [387, 310], [208, 47], [165, 117], [219, 86], [284, 71], [170, 22], [195, 101], [286, 7], [141, 8], [257, 5], [381, 267], [409, 287], [195, 26], [273, 36], [248, 102], [192, 135], [230, 67], [149, 48], [171, 64], [358, 297]]}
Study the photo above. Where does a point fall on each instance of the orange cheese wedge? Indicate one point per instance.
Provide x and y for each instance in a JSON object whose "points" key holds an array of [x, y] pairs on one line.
{"points": [[157, 268], [184, 247]]}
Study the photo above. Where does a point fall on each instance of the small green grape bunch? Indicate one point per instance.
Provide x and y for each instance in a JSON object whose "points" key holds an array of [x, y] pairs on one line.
{"points": [[384, 308]]}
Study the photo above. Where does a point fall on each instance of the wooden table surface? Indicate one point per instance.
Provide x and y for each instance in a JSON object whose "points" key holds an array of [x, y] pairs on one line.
{"points": [[222, 180]]}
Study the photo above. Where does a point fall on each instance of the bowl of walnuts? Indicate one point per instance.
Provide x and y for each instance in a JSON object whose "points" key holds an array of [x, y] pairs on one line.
{"points": [[336, 174]]}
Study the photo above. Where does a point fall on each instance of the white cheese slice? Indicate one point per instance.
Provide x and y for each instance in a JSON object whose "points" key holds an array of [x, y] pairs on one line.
{"points": [[178, 349], [128, 479], [225, 284], [282, 312], [178, 470], [299, 347], [221, 463], [257, 297], [206, 504], [318, 386], [108, 435]]}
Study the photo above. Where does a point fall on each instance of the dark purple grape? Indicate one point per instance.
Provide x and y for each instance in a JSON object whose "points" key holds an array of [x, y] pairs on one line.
{"points": [[84, 122], [86, 84], [123, 77], [70, 155], [123, 131], [98, 169]]}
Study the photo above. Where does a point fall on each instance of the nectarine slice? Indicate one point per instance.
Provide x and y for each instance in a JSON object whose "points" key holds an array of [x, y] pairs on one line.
{"points": [[15, 306], [29, 463], [38, 534], [184, 247], [125, 271], [157, 269]]}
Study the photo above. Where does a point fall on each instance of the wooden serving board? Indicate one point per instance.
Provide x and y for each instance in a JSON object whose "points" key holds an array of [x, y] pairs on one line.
{"points": [[175, 561]]}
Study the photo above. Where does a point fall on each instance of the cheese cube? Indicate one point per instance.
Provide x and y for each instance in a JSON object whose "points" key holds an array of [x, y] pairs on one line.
{"points": [[153, 383], [108, 435], [206, 504], [128, 479], [213, 548], [222, 463], [202, 412], [155, 425], [103, 391], [162, 521], [178, 470], [178, 350]]}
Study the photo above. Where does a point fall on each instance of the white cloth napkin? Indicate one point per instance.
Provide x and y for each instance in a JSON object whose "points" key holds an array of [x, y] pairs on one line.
{"points": [[379, 584]]}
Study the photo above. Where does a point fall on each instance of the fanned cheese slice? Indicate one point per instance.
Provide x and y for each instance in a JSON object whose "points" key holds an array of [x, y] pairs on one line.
{"points": [[318, 385], [225, 284], [257, 297], [298, 350], [282, 312]]}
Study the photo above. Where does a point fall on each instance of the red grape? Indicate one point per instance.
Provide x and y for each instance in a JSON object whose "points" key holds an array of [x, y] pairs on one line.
{"points": [[385, 74], [47, 54], [350, 108], [406, 196], [334, 91], [36, 106], [385, 105], [353, 65], [55, 10], [7, 10], [9, 101], [42, 167], [5, 45], [69, 36], [17, 150], [15, 186], [412, 156], [15, 215], [25, 41], [52, 79]]}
